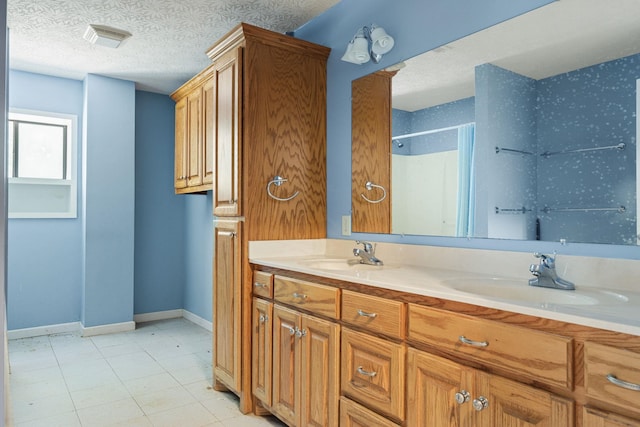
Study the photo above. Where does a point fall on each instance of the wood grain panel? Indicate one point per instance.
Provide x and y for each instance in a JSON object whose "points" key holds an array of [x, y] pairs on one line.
{"points": [[227, 299], [354, 415], [374, 314], [208, 126], [284, 135], [181, 143], [600, 361], [544, 357], [319, 299], [226, 107], [371, 152], [382, 385], [194, 137], [596, 418], [286, 365], [262, 350], [263, 284], [320, 380]]}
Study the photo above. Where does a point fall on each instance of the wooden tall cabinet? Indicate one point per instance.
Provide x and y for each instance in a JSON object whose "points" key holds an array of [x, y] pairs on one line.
{"points": [[194, 134], [269, 139]]}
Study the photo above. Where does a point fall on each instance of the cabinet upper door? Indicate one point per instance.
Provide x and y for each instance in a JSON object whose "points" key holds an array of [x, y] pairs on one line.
{"points": [[208, 126], [181, 144], [226, 107], [194, 138], [371, 153]]}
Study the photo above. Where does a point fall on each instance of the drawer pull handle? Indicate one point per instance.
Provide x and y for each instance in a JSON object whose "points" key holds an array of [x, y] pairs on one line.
{"points": [[465, 340], [371, 374], [259, 285], [301, 296], [629, 386], [365, 314], [263, 318], [462, 396], [480, 403]]}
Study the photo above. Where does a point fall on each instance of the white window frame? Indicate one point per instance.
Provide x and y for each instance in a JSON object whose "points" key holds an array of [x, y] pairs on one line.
{"points": [[28, 197]]}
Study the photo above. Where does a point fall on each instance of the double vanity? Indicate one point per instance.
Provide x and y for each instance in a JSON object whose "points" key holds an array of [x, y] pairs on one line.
{"points": [[441, 336]]}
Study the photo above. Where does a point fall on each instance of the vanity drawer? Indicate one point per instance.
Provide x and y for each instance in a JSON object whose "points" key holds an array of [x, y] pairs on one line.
{"points": [[263, 284], [354, 415], [541, 356], [309, 296], [612, 375], [375, 314], [373, 372]]}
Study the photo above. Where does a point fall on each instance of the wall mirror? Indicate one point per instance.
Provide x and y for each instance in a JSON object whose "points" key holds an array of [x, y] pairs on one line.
{"points": [[526, 130]]}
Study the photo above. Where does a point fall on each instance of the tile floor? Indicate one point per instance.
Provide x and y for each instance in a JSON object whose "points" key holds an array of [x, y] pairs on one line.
{"points": [[157, 375]]}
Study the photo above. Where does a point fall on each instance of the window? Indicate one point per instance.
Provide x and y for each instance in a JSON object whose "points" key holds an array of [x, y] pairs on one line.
{"points": [[41, 165]]}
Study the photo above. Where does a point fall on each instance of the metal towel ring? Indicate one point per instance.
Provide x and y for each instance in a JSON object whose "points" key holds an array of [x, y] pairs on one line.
{"points": [[370, 186], [278, 181]]}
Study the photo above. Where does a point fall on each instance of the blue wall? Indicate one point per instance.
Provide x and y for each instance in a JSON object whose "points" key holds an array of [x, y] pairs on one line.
{"points": [[46, 268], [159, 212], [45, 256], [417, 26]]}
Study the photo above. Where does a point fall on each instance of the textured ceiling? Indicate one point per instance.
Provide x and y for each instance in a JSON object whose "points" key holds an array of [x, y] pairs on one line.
{"points": [[169, 37]]}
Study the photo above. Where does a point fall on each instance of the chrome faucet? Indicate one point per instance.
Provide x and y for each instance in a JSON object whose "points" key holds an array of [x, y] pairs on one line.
{"points": [[367, 255], [546, 275]]}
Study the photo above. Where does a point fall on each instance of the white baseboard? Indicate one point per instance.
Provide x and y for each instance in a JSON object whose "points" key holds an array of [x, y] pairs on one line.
{"points": [[43, 330], [111, 328], [194, 318], [157, 315]]}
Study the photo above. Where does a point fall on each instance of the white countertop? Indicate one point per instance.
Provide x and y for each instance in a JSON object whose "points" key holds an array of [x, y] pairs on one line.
{"points": [[620, 316]]}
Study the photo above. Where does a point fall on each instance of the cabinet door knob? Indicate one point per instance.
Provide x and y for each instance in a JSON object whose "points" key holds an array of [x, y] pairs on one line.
{"points": [[467, 341], [263, 318], [462, 396], [480, 403], [361, 371], [624, 384], [292, 331], [365, 314], [301, 333]]}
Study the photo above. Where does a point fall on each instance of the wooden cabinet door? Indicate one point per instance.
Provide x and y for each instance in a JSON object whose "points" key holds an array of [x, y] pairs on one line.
{"points": [[513, 404], [208, 125], [371, 153], [226, 107], [433, 386], [261, 354], [180, 180], [286, 364], [319, 385], [227, 298], [194, 138]]}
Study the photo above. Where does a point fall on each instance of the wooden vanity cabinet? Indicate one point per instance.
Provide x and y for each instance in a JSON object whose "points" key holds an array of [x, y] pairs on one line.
{"points": [[194, 134], [268, 109], [595, 418]]}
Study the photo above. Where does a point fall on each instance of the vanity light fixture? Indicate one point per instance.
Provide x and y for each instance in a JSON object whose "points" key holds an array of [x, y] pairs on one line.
{"points": [[105, 36], [369, 42]]}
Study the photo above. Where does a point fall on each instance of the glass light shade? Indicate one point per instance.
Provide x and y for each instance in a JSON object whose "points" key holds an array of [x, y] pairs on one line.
{"points": [[357, 51], [381, 42]]}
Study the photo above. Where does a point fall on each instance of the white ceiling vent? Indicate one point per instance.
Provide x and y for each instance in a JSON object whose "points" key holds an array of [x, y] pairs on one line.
{"points": [[105, 36]]}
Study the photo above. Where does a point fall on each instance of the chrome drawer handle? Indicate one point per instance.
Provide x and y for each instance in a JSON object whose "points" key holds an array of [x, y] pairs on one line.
{"points": [[629, 386], [301, 296], [259, 285], [467, 341], [371, 374], [365, 314]]}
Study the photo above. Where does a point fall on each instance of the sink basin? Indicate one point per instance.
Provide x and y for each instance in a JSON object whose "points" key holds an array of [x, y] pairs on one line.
{"points": [[520, 291], [343, 264]]}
